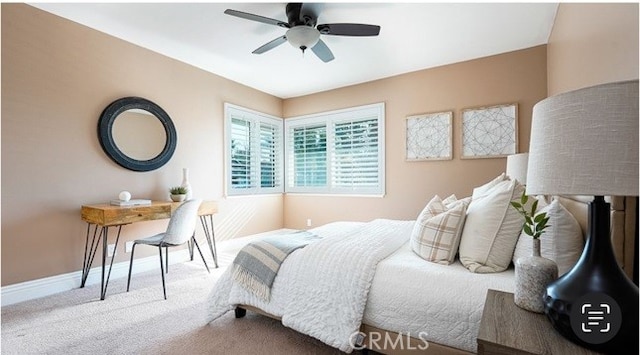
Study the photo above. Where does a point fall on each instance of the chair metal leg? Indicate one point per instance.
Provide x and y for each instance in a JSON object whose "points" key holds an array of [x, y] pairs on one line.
{"points": [[166, 256], [164, 289], [133, 250], [201, 255]]}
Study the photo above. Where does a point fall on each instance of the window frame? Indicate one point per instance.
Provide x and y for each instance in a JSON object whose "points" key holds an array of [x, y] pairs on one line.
{"points": [[330, 118], [255, 118]]}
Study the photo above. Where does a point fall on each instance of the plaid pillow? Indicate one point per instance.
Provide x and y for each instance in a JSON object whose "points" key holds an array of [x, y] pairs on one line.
{"points": [[436, 233]]}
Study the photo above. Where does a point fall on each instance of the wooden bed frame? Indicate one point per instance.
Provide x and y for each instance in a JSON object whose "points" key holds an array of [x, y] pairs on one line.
{"points": [[624, 236]]}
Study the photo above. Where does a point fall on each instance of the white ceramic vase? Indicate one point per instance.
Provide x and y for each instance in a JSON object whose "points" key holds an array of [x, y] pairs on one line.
{"points": [[533, 274], [185, 183]]}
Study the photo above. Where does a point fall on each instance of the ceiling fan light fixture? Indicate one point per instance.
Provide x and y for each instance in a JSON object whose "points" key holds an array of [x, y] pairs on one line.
{"points": [[303, 37]]}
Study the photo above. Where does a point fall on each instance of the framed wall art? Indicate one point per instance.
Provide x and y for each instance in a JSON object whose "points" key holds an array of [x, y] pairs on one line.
{"points": [[429, 136], [489, 132]]}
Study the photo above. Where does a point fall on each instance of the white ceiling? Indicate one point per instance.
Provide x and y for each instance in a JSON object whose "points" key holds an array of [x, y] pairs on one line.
{"points": [[414, 36]]}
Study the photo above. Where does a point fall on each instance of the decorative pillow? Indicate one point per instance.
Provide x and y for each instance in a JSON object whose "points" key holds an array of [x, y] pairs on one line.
{"points": [[436, 233], [492, 229], [452, 200], [481, 191], [561, 241], [449, 200]]}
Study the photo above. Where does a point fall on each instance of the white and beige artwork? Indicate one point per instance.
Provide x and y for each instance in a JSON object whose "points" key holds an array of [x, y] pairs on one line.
{"points": [[490, 132], [429, 136]]}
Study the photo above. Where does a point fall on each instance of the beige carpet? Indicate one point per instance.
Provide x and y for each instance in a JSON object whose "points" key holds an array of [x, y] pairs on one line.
{"points": [[142, 322]]}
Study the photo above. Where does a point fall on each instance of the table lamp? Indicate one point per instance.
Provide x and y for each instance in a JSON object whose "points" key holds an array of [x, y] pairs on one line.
{"points": [[517, 167], [585, 142]]}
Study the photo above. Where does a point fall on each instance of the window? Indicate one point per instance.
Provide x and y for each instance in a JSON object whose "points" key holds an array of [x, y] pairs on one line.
{"points": [[253, 152], [337, 152]]}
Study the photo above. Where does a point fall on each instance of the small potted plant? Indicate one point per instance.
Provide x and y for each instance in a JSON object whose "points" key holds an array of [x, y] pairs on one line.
{"points": [[178, 193], [534, 224], [533, 273]]}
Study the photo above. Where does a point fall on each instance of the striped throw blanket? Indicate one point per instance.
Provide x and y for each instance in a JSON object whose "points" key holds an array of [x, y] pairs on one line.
{"points": [[257, 264]]}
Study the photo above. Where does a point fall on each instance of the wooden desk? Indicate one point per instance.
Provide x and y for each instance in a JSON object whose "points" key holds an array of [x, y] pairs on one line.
{"points": [[102, 216], [507, 329]]}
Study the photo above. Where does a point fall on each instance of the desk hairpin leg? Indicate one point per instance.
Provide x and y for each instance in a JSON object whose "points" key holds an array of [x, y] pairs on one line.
{"points": [[105, 283], [90, 253], [190, 246], [207, 226], [191, 243]]}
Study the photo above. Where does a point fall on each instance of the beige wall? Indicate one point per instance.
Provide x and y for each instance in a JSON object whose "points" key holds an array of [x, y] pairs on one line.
{"points": [[517, 77], [57, 77], [592, 44]]}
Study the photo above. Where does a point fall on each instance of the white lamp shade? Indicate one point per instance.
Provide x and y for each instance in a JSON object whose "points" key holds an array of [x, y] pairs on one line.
{"points": [[517, 167], [585, 142]]}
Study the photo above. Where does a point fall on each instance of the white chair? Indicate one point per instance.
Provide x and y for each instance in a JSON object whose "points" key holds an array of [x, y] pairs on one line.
{"points": [[180, 230]]}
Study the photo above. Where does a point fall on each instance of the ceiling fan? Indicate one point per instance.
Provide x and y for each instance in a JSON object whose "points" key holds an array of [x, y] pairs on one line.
{"points": [[303, 33]]}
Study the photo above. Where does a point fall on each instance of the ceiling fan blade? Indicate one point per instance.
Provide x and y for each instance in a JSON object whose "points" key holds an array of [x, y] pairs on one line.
{"points": [[271, 45], [348, 29], [252, 17], [322, 51]]}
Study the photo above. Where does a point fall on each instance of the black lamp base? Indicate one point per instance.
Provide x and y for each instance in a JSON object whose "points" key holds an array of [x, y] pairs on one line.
{"points": [[595, 305]]}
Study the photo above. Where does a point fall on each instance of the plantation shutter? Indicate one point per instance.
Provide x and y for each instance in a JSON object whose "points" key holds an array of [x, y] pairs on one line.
{"points": [[308, 161], [270, 155], [337, 152], [254, 152], [355, 155], [242, 176]]}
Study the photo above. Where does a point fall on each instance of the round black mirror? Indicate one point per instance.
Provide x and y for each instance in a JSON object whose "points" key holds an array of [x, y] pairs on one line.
{"points": [[137, 134]]}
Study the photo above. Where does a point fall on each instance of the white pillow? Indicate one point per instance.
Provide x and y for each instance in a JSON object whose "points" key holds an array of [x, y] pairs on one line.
{"points": [[561, 241], [481, 191], [492, 229], [436, 233]]}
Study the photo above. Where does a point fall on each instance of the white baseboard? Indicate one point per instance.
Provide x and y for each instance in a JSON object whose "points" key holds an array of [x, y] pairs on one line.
{"points": [[29, 290]]}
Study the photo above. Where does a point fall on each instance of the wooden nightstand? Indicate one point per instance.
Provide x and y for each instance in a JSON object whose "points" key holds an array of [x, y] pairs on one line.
{"points": [[507, 329]]}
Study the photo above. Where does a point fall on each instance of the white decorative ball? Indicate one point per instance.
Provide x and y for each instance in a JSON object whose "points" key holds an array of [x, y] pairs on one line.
{"points": [[125, 196]]}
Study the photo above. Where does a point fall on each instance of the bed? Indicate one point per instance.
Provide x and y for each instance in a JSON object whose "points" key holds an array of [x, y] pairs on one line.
{"points": [[410, 305]]}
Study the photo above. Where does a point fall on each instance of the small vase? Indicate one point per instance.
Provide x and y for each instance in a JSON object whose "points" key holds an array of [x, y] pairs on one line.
{"points": [[185, 182], [533, 274]]}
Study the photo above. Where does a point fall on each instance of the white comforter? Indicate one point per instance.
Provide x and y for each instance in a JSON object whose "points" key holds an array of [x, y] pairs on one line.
{"points": [[411, 295], [322, 290]]}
